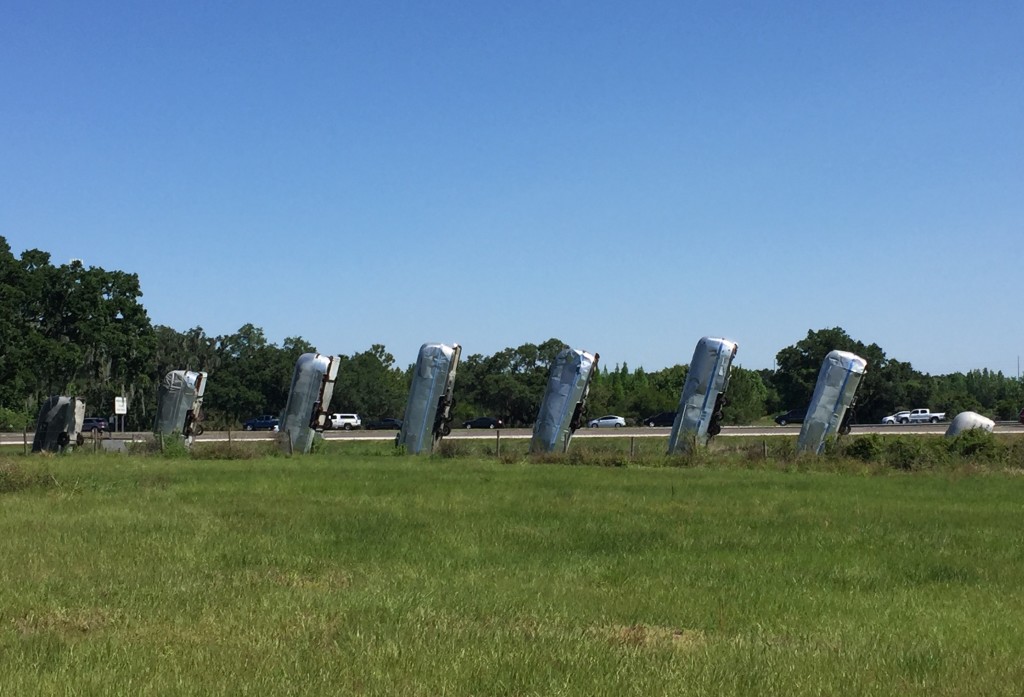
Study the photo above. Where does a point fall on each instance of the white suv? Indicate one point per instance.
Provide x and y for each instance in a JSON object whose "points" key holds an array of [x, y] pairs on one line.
{"points": [[346, 421]]}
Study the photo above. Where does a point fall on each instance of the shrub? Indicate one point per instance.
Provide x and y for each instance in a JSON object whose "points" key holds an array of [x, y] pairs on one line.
{"points": [[869, 448], [975, 444], [906, 454], [15, 421]]}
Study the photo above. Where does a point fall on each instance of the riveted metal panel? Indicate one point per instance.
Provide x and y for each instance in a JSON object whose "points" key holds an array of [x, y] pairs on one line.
{"points": [[702, 396], [428, 415], [309, 398], [968, 421], [59, 424], [834, 394], [563, 407], [180, 402]]}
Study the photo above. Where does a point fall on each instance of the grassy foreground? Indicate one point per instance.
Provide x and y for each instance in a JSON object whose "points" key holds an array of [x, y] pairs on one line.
{"points": [[383, 575]]}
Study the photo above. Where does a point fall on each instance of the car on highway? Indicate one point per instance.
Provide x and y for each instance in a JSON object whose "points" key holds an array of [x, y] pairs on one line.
{"points": [[344, 421], [793, 416], [896, 418], [94, 424], [665, 418], [482, 422], [385, 424], [609, 421], [265, 422], [1020, 417]]}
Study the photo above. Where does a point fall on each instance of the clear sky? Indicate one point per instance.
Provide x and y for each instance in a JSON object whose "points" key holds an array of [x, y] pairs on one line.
{"points": [[627, 177]]}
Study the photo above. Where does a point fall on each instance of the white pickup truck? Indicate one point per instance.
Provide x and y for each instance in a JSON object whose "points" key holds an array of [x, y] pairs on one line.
{"points": [[915, 416]]}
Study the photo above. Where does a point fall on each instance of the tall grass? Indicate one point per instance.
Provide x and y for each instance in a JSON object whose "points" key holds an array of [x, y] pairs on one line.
{"points": [[344, 573]]}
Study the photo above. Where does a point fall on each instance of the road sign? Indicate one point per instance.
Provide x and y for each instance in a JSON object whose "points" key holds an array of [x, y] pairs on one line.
{"points": [[120, 405]]}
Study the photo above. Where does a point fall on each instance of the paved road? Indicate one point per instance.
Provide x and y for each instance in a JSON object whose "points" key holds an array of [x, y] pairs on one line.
{"points": [[1002, 427]]}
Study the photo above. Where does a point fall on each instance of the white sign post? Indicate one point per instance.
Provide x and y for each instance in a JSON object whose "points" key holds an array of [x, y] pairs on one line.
{"points": [[120, 409]]}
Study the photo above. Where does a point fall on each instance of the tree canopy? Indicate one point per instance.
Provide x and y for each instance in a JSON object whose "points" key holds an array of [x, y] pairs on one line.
{"points": [[71, 329]]}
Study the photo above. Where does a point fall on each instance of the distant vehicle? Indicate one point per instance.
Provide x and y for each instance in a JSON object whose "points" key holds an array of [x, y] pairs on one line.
{"points": [[665, 418], [921, 416], [94, 424], [793, 416], [482, 422], [610, 421], [384, 424], [266, 422], [897, 418], [344, 421], [1020, 417]]}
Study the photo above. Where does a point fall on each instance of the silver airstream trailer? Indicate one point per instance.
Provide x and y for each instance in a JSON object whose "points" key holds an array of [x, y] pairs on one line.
{"points": [[968, 421], [563, 407], [699, 414], [834, 394], [309, 399], [428, 413], [59, 426], [180, 403]]}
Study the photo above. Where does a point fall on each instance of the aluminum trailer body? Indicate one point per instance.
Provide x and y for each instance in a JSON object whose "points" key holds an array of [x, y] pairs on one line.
{"points": [[428, 412], [180, 403], [564, 405], [968, 421], [309, 398], [834, 395], [59, 426], [699, 414]]}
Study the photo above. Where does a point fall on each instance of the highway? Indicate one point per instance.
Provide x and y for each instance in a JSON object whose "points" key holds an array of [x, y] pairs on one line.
{"points": [[1002, 427]]}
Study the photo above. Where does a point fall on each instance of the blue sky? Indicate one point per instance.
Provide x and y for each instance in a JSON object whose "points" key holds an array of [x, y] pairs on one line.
{"points": [[627, 177]]}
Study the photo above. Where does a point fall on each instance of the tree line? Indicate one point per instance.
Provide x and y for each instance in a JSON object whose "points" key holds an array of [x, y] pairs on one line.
{"points": [[77, 330]]}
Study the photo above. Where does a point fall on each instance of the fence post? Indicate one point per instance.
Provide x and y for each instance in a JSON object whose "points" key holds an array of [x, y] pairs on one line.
{"points": [[24, 439], [497, 442], [632, 447]]}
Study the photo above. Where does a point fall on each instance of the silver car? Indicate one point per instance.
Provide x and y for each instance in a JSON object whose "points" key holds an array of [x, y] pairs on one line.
{"points": [[59, 426], [180, 402], [834, 394], [309, 397], [699, 415], [428, 413], [564, 404], [610, 421]]}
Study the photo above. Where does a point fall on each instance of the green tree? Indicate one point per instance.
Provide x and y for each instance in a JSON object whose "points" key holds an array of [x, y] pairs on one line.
{"points": [[370, 384], [71, 330], [799, 365], [747, 395]]}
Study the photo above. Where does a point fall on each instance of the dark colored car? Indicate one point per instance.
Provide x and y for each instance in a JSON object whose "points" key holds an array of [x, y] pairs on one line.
{"points": [[482, 422], [266, 422], [665, 418], [1020, 417], [386, 424], [95, 424], [793, 416]]}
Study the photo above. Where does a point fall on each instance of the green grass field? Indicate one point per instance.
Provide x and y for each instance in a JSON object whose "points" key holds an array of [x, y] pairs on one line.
{"points": [[353, 572]]}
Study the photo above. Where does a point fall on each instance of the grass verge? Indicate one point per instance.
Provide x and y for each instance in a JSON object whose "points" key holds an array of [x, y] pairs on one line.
{"points": [[376, 574]]}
